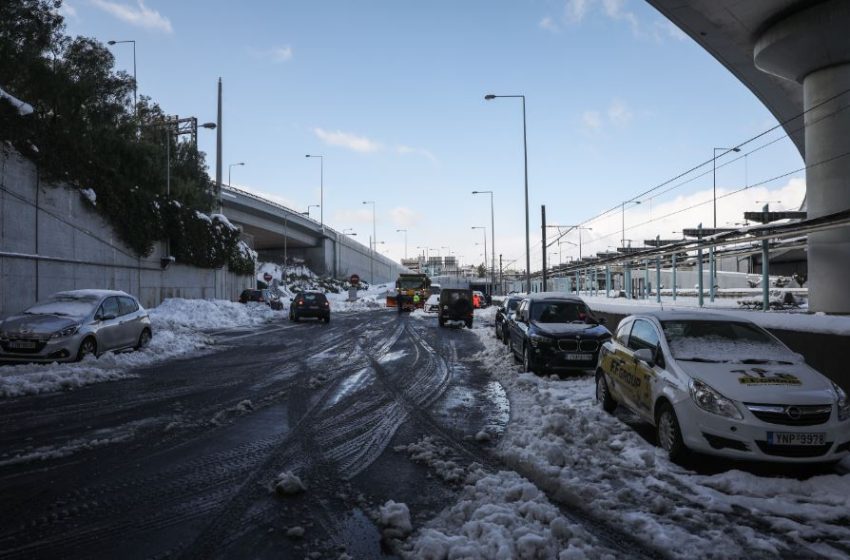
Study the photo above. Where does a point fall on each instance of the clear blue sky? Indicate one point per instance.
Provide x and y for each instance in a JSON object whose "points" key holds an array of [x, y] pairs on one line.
{"points": [[391, 93]]}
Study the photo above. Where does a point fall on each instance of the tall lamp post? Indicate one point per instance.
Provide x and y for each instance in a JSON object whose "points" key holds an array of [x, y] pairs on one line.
{"points": [[490, 97], [230, 167], [484, 230], [373, 240], [321, 187], [405, 240], [623, 231], [307, 213], [712, 263], [135, 81], [492, 240]]}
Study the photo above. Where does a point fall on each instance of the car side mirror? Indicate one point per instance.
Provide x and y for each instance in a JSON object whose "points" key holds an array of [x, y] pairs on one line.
{"points": [[646, 355]]}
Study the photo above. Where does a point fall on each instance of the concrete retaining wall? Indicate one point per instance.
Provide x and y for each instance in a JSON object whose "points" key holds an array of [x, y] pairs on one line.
{"points": [[51, 239], [810, 345]]}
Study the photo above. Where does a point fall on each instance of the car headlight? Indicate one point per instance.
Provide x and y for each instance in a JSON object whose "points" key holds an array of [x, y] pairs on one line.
{"points": [[843, 403], [537, 340], [711, 401], [67, 331]]}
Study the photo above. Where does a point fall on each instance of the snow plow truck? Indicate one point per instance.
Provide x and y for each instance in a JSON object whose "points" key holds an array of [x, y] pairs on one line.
{"points": [[408, 286]]}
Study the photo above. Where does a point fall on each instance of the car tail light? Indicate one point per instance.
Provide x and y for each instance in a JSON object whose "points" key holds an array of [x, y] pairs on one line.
{"points": [[301, 302], [326, 304]]}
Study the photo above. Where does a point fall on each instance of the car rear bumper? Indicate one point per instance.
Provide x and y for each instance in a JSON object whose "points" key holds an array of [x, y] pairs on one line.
{"points": [[312, 312]]}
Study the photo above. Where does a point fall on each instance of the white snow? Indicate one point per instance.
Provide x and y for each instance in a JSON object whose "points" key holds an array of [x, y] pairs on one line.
{"points": [[176, 325], [288, 483], [561, 440], [23, 107], [90, 195], [395, 520]]}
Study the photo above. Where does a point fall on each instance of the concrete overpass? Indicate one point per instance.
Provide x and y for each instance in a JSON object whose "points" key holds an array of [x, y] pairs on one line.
{"points": [[794, 55], [279, 233]]}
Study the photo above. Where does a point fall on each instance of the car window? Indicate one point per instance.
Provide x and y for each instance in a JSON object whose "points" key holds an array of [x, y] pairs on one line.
{"points": [[623, 332], [723, 341], [559, 312], [643, 335], [127, 305], [110, 306]]}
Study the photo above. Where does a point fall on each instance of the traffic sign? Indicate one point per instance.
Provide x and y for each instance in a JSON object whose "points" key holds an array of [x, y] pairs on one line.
{"points": [[267, 277], [354, 280]]}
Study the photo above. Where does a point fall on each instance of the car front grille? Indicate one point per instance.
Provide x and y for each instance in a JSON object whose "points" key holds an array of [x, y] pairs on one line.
{"points": [[791, 415], [573, 345], [800, 451], [39, 346]]}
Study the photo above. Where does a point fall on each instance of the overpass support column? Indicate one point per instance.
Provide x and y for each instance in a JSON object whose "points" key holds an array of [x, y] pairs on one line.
{"points": [[811, 47]]}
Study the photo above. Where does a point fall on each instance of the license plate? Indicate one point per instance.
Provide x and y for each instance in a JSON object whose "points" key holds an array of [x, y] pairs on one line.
{"points": [[796, 438], [579, 357], [22, 344]]}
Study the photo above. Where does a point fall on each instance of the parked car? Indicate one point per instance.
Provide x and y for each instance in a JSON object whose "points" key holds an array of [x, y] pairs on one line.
{"points": [[456, 305], [503, 315], [262, 296], [310, 304], [724, 386], [69, 326], [432, 304], [556, 332]]}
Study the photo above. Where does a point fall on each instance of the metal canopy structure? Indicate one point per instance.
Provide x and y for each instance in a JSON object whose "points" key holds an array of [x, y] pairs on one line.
{"points": [[768, 217]]}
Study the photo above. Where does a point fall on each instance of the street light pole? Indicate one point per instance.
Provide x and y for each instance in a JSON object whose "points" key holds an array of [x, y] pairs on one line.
{"points": [[485, 247], [321, 188], [490, 97], [372, 242], [230, 168], [405, 240], [712, 264], [135, 80], [492, 241], [623, 236]]}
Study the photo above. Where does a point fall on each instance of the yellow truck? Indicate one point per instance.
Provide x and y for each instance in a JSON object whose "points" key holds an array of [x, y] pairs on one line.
{"points": [[409, 286]]}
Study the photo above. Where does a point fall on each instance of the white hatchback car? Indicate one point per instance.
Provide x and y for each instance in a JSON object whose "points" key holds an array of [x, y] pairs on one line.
{"points": [[432, 304], [722, 386]]}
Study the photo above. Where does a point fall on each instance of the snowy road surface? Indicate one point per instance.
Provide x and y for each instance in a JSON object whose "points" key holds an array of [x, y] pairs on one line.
{"points": [[372, 436]]}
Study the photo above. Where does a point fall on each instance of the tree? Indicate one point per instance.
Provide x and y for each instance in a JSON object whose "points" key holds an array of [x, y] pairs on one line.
{"points": [[482, 271]]}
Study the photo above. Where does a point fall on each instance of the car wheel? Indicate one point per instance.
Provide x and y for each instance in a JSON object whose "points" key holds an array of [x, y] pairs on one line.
{"points": [[327, 319], [442, 322], [144, 339], [87, 347], [468, 323], [296, 318], [669, 433], [603, 395], [498, 332]]}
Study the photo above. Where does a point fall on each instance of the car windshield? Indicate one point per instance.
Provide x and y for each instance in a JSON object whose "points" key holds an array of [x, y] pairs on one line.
{"points": [[313, 298], [560, 312], [724, 341], [513, 304], [65, 306], [410, 283]]}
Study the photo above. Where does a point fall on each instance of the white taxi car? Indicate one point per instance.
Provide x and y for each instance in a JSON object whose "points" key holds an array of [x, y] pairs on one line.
{"points": [[723, 386]]}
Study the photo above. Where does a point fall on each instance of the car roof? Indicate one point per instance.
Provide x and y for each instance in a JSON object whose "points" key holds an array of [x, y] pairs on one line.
{"points": [[91, 293], [684, 315], [562, 296]]}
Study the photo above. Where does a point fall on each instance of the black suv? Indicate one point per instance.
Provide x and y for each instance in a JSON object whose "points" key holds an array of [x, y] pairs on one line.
{"points": [[261, 296], [556, 332], [456, 305], [310, 304], [503, 316]]}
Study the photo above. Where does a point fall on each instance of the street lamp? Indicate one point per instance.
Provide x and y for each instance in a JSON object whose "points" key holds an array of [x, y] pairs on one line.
{"points": [[311, 206], [348, 231], [484, 230], [492, 240], [712, 263], [405, 240], [371, 242], [623, 237], [321, 187], [135, 82], [230, 167], [490, 97]]}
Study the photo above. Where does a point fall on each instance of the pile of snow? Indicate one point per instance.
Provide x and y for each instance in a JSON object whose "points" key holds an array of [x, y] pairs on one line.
{"points": [[395, 520], [502, 515], [288, 483], [561, 440], [176, 325], [90, 195], [430, 452], [22, 107]]}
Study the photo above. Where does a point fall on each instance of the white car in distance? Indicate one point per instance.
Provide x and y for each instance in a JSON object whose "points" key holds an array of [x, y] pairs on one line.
{"points": [[723, 386]]}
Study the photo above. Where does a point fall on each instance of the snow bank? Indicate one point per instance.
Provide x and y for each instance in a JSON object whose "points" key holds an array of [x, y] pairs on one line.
{"points": [[176, 325], [561, 440], [395, 520], [22, 107]]}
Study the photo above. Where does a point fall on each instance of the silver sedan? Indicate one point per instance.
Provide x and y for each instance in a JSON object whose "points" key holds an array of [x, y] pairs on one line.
{"points": [[68, 326]]}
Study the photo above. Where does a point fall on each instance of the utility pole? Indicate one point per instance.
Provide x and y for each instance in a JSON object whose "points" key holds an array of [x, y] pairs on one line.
{"points": [[501, 278], [543, 228], [218, 154]]}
